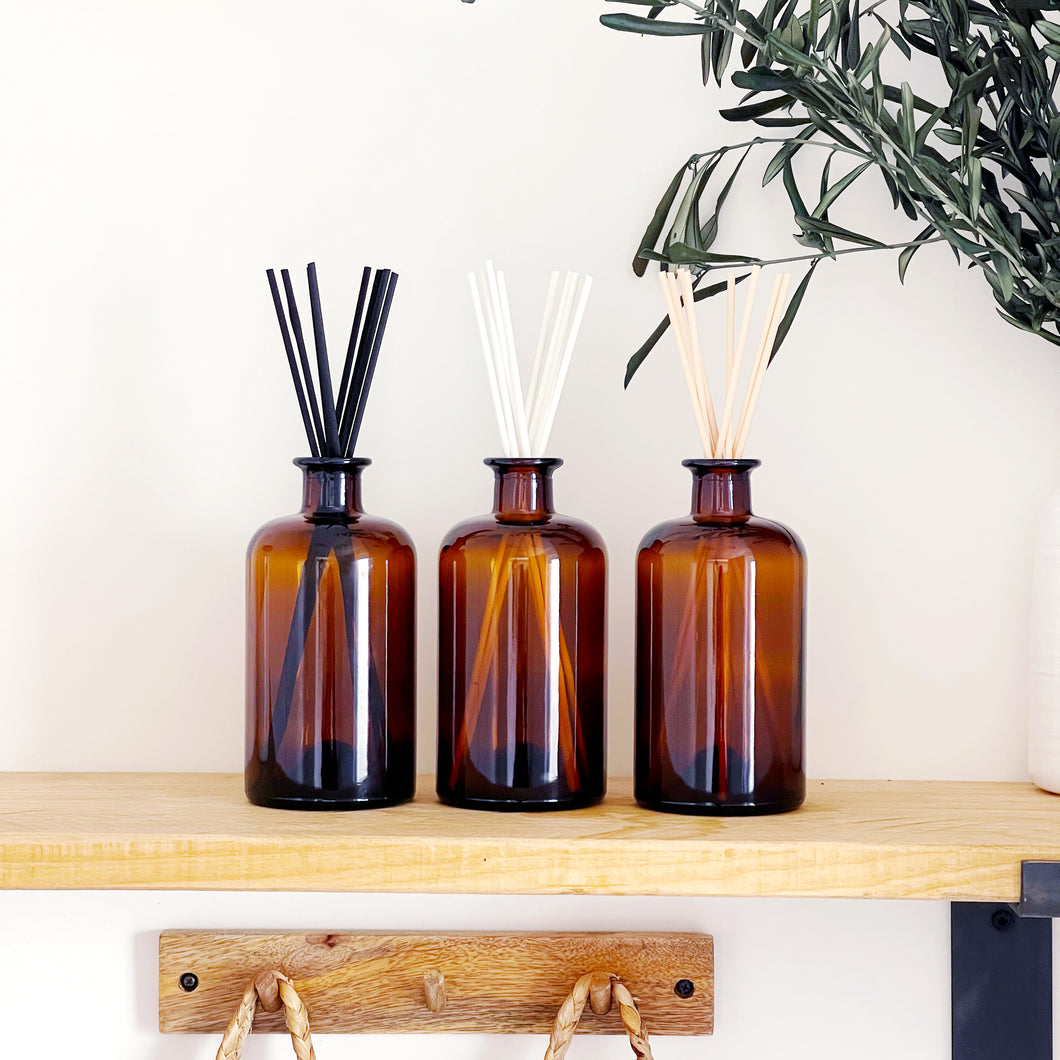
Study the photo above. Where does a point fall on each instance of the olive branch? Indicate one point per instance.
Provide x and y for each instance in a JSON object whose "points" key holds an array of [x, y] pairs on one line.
{"points": [[976, 168]]}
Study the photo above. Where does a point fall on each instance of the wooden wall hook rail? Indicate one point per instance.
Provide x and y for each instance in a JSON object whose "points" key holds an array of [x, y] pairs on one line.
{"points": [[412, 983]]}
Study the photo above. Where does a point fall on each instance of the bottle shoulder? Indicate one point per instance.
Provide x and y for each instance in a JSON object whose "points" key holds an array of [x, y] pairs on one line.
{"points": [[486, 532], [781, 533], [298, 532], [685, 534]]}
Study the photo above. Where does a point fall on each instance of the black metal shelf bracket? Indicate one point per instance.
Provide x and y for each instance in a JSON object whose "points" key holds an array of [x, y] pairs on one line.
{"points": [[1002, 971], [1040, 889]]}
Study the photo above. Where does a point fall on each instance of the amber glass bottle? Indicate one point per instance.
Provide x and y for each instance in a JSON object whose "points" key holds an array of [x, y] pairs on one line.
{"points": [[330, 651], [521, 682], [719, 684]]}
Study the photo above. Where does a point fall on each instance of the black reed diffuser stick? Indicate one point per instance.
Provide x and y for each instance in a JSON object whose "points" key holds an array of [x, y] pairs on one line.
{"points": [[296, 327], [351, 349], [327, 395], [332, 423], [299, 390], [364, 347], [351, 442], [332, 428]]}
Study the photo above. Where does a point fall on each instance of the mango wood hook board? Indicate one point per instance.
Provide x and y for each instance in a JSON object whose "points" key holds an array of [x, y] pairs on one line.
{"points": [[377, 983]]}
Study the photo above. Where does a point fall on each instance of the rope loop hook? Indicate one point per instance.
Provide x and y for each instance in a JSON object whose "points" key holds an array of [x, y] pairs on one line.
{"points": [[270, 989], [600, 989]]}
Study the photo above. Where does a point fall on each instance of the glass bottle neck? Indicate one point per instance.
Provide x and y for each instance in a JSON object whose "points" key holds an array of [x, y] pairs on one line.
{"points": [[331, 487], [522, 489], [721, 490]]}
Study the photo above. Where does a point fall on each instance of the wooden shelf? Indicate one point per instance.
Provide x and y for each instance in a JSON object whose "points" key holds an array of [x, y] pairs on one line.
{"points": [[195, 831]]}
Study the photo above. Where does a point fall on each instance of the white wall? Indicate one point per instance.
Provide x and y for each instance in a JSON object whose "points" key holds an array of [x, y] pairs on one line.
{"points": [[156, 158]]}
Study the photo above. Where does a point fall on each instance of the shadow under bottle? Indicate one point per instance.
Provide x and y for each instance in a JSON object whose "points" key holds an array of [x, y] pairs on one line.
{"points": [[521, 681], [330, 651], [719, 657]]}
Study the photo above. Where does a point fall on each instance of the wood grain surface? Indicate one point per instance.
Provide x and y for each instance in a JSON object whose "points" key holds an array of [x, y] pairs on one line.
{"points": [[184, 831], [494, 984]]}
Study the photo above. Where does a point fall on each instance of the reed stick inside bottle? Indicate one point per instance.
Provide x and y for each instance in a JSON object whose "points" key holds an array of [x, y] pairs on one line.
{"points": [[524, 421], [332, 424], [717, 586]]}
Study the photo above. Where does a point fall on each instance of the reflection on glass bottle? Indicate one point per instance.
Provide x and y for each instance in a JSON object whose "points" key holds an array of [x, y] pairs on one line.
{"points": [[330, 651], [521, 682], [719, 681]]}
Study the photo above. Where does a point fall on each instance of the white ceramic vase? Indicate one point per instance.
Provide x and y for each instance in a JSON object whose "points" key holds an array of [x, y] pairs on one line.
{"points": [[1043, 729]]}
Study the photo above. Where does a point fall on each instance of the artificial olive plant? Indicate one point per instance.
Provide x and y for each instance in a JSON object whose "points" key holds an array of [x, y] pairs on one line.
{"points": [[971, 160]]}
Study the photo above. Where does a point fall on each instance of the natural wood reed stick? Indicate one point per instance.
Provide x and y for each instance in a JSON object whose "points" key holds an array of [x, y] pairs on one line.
{"points": [[762, 360], [759, 360], [730, 325], [734, 379], [684, 279], [724, 440], [730, 362], [764, 699], [706, 666], [665, 280], [686, 628], [717, 587], [724, 718], [725, 578]]}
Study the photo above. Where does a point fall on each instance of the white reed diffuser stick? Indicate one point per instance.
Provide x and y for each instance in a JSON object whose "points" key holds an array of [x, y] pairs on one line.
{"points": [[496, 353], [491, 369], [542, 340], [553, 353], [506, 355], [525, 424], [525, 421], [557, 388]]}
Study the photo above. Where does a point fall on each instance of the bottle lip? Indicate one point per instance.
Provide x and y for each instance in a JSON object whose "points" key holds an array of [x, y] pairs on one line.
{"points": [[530, 463], [706, 465], [331, 463]]}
